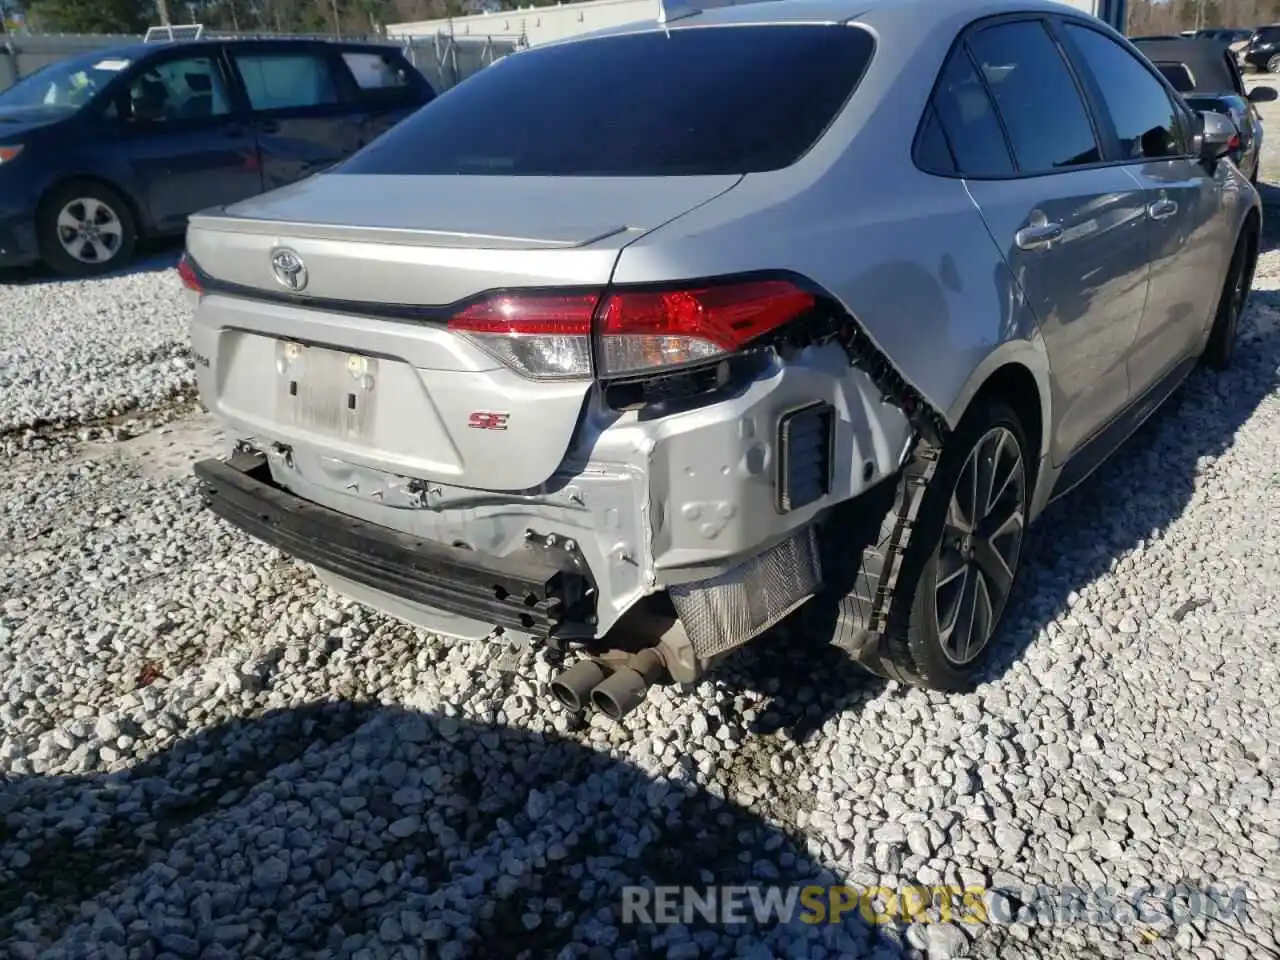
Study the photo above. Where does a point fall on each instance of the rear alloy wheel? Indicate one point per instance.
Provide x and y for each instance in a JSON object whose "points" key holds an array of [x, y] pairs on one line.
{"points": [[963, 556], [981, 544], [1221, 348], [1273, 64], [85, 229]]}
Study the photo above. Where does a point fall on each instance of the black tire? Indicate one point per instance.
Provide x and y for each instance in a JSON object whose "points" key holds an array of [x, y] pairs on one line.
{"points": [[912, 649], [1220, 349], [110, 231]]}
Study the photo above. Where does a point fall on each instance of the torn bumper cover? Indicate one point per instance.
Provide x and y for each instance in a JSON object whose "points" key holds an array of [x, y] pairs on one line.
{"points": [[529, 594]]}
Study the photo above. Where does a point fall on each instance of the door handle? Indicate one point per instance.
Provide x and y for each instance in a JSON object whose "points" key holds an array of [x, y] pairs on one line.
{"points": [[1162, 209], [1038, 236]]}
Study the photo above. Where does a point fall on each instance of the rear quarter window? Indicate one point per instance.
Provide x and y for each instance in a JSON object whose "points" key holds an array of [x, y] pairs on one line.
{"points": [[381, 75], [691, 101]]}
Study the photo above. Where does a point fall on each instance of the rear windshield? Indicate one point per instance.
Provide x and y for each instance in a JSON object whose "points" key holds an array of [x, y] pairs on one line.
{"points": [[694, 101], [1267, 34]]}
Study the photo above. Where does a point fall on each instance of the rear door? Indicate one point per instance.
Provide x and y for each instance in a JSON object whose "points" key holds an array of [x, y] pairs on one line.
{"points": [[186, 141], [303, 113], [1070, 226], [1150, 128], [385, 87]]}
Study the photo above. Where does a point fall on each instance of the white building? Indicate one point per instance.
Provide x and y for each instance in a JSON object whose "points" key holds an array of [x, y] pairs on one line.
{"points": [[534, 25]]}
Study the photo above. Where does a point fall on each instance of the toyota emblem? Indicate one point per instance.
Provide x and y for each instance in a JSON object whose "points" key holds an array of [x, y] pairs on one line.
{"points": [[289, 269]]}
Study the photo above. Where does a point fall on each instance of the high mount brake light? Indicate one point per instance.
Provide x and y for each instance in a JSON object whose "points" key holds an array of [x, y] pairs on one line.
{"points": [[548, 336], [188, 275]]}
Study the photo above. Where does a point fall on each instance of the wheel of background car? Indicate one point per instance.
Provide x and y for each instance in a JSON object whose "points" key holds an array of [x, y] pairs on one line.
{"points": [[85, 228], [1221, 347], [1273, 64], [961, 564]]}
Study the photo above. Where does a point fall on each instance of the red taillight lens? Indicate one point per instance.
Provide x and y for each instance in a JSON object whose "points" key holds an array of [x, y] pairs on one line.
{"points": [[187, 274], [1234, 142], [643, 330], [549, 336]]}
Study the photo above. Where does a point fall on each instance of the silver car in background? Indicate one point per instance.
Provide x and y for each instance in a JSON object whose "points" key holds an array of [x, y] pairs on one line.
{"points": [[636, 344]]}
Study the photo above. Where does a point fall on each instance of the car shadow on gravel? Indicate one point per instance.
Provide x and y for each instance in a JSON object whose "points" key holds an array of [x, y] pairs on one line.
{"points": [[338, 826], [1144, 486], [153, 256]]}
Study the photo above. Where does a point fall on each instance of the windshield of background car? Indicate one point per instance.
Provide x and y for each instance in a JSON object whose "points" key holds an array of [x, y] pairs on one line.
{"points": [[1267, 35], [692, 101], [66, 85]]}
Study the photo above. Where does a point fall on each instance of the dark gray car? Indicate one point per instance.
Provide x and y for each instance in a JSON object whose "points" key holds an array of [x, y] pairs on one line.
{"points": [[635, 344], [1206, 75]]}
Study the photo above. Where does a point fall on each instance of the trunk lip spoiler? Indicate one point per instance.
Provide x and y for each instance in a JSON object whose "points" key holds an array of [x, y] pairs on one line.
{"points": [[221, 221], [531, 594]]}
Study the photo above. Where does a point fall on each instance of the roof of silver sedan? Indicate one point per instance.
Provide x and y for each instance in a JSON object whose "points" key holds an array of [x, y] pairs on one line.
{"points": [[697, 13]]}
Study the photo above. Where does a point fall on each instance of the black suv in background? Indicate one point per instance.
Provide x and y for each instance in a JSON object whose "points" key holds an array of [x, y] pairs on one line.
{"points": [[101, 149], [1263, 51], [1223, 35]]}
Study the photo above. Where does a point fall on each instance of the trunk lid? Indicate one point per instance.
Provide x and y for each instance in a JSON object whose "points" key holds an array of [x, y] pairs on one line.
{"points": [[341, 366]]}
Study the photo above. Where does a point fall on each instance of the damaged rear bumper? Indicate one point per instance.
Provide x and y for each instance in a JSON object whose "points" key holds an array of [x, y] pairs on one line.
{"points": [[711, 510], [530, 593]]}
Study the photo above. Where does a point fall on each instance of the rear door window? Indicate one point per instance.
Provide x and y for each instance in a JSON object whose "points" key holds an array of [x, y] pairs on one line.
{"points": [[281, 81], [691, 101], [1036, 96]]}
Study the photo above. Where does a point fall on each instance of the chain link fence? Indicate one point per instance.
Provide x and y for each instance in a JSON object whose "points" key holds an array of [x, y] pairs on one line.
{"points": [[445, 61]]}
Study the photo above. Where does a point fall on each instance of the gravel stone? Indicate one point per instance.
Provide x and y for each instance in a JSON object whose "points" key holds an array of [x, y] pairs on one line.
{"points": [[206, 753]]}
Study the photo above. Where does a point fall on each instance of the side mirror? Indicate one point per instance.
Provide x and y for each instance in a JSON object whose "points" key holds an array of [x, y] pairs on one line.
{"points": [[1218, 136], [1263, 95]]}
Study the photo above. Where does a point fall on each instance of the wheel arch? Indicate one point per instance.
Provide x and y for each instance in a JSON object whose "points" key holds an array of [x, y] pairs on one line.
{"points": [[1018, 373]]}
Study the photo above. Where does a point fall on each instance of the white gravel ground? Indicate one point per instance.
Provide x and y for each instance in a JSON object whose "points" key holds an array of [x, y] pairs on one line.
{"points": [[71, 352], [203, 753]]}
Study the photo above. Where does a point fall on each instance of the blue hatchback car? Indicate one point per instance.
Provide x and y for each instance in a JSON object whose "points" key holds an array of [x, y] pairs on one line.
{"points": [[100, 150]]}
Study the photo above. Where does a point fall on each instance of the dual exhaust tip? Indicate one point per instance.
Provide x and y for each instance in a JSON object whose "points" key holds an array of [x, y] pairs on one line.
{"points": [[589, 683]]}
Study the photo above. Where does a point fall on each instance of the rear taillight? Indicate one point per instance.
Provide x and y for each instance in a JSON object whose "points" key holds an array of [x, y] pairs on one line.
{"points": [[188, 275], [639, 331], [539, 335]]}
